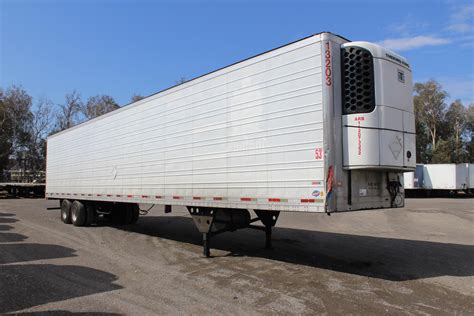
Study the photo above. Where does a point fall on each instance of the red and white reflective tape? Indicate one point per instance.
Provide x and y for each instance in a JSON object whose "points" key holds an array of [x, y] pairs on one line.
{"points": [[195, 198]]}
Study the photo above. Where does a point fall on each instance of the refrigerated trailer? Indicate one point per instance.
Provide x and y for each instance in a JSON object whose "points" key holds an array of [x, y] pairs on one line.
{"points": [[446, 177], [413, 181], [441, 179], [319, 125]]}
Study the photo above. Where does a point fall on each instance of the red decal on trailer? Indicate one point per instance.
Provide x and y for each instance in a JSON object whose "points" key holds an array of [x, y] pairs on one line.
{"points": [[217, 199], [329, 181], [307, 200], [196, 197], [99, 194], [144, 196], [129, 196], [359, 140], [176, 197], [274, 200], [328, 69], [246, 199], [158, 197], [109, 195], [318, 153]]}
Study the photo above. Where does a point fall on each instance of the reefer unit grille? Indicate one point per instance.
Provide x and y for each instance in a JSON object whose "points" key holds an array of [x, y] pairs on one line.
{"points": [[358, 81]]}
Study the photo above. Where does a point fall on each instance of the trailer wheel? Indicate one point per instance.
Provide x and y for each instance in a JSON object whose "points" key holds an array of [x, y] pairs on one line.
{"points": [[118, 213], [78, 213], [66, 211], [135, 212], [90, 214]]}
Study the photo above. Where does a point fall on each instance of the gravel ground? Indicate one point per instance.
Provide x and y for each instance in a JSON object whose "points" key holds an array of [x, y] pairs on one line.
{"points": [[416, 260]]}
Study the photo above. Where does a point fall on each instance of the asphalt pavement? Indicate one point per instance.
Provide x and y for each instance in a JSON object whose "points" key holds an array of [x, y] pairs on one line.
{"points": [[415, 260]]}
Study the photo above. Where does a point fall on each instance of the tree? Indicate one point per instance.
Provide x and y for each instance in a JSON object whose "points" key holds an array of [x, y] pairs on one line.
{"points": [[99, 105], [429, 101], [68, 112], [423, 149], [442, 153], [137, 97], [456, 123], [5, 140], [15, 116], [39, 129], [470, 133]]}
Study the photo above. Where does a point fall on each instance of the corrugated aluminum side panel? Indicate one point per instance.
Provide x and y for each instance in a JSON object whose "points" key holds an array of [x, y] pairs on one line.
{"points": [[237, 137], [439, 176]]}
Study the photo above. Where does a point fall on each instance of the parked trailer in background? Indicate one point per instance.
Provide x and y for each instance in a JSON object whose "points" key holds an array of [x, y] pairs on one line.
{"points": [[471, 178], [413, 181], [409, 180], [319, 125], [450, 178], [23, 189]]}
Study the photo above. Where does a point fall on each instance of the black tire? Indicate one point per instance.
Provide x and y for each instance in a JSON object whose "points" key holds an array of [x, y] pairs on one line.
{"points": [[78, 213], [132, 213], [66, 211], [135, 213], [117, 213], [127, 214], [90, 214]]}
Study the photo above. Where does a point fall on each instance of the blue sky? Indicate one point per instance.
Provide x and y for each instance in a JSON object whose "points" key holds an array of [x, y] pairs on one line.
{"points": [[124, 47]]}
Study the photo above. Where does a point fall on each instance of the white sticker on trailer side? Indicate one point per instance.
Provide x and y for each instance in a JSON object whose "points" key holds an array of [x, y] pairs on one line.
{"points": [[243, 136]]}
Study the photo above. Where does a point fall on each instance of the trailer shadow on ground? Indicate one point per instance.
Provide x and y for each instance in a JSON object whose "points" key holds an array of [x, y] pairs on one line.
{"points": [[64, 312], [9, 220], [390, 259], [4, 228], [25, 285]]}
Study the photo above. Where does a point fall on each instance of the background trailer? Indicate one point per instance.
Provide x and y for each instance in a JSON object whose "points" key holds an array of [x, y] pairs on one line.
{"points": [[318, 125]]}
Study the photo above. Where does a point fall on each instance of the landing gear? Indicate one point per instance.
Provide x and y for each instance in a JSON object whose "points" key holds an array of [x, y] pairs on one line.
{"points": [[269, 219], [213, 221], [203, 218]]}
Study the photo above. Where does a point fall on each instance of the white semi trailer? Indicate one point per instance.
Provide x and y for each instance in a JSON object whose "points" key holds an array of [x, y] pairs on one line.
{"points": [[446, 177], [318, 125]]}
